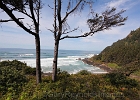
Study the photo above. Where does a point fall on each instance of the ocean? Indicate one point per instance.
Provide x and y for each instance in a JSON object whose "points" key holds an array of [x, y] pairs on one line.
{"points": [[67, 60]]}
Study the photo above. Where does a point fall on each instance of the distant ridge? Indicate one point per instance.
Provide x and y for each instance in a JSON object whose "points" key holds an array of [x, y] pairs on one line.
{"points": [[125, 52]]}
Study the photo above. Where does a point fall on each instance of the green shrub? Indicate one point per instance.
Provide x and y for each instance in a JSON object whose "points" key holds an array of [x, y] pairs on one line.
{"points": [[15, 85], [30, 71], [19, 66], [131, 94], [15, 63], [120, 80], [62, 75], [11, 80], [84, 72]]}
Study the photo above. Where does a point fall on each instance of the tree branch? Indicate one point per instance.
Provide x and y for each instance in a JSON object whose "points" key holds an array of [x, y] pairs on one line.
{"points": [[33, 16], [51, 30], [59, 20], [9, 12], [59, 12], [9, 20], [67, 14], [26, 14], [55, 26], [84, 35], [100, 23], [70, 31]]}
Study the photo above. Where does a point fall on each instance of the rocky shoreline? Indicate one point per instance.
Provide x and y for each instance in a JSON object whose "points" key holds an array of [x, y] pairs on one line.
{"points": [[87, 61], [101, 66]]}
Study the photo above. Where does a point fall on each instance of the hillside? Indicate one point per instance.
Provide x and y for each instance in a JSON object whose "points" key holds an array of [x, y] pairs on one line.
{"points": [[125, 52]]}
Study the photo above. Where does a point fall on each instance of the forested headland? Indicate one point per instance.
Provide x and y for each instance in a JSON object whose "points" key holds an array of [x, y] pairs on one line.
{"points": [[124, 54]]}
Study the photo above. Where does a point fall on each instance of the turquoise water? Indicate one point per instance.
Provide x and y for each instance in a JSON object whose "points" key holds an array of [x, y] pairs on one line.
{"points": [[67, 59]]}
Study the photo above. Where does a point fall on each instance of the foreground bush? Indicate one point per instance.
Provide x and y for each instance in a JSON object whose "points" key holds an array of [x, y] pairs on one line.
{"points": [[84, 72], [13, 78], [82, 86], [19, 66], [120, 80], [11, 81]]}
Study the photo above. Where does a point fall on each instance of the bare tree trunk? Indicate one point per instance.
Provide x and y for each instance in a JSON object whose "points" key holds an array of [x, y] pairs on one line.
{"points": [[38, 65], [54, 73]]}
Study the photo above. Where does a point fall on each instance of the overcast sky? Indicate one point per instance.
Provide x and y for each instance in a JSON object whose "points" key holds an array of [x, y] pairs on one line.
{"points": [[12, 36]]}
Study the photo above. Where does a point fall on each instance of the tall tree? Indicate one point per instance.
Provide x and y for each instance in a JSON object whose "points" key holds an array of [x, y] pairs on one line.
{"points": [[106, 20], [31, 9]]}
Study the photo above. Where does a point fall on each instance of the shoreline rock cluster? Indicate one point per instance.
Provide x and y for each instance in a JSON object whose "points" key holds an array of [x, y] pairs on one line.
{"points": [[87, 61], [101, 66]]}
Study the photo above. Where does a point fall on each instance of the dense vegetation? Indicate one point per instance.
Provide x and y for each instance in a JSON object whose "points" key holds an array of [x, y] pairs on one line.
{"points": [[17, 84], [125, 52]]}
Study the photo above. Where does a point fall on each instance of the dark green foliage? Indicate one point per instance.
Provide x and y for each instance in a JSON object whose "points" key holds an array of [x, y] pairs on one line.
{"points": [[15, 63], [84, 72], [62, 75], [120, 80], [11, 63], [132, 94], [125, 52], [84, 86], [19, 66], [116, 79], [30, 71], [12, 77], [11, 81]]}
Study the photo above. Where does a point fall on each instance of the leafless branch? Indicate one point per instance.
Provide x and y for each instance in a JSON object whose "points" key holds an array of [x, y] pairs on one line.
{"points": [[68, 13], [51, 30], [50, 7], [9, 20], [71, 31], [24, 12], [30, 26]]}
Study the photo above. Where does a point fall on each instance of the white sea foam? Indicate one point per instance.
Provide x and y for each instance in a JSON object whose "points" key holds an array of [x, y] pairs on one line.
{"points": [[29, 54], [70, 64], [26, 55], [67, 61], [103, 72], [90, 55]]}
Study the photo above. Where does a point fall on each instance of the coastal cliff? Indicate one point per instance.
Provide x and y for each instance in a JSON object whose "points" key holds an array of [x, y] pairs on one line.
{"points": [[125, 53]]}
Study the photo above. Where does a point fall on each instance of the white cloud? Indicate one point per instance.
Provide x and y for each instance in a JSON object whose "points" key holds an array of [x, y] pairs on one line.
{"points": [[117, 3], [91, 39], [122, 4]]}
